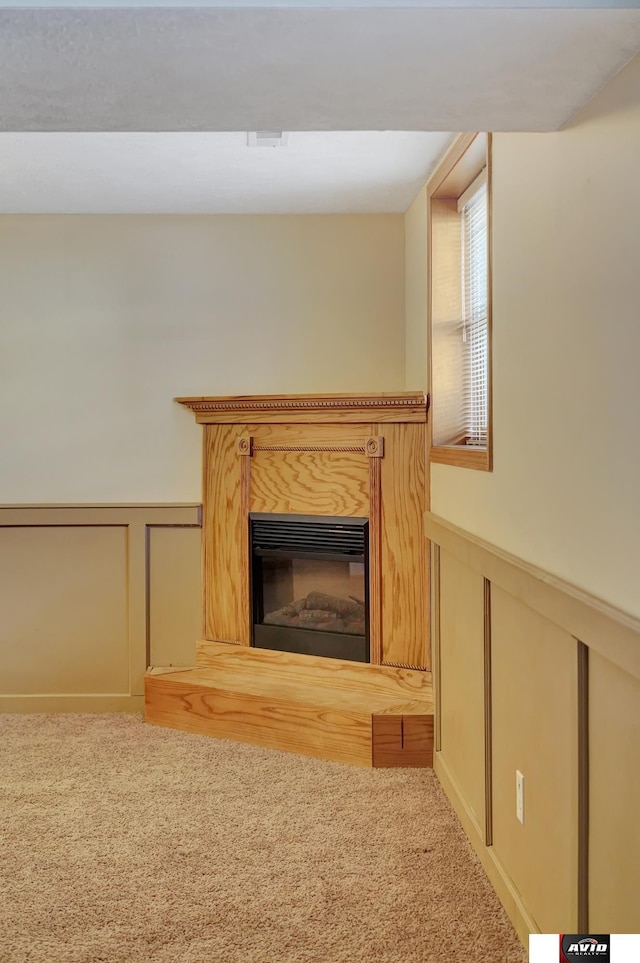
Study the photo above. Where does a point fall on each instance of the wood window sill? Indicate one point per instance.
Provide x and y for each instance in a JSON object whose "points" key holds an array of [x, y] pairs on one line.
{"points": [[461, 456]]}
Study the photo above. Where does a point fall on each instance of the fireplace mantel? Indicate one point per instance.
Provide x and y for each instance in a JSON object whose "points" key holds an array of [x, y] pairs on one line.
{"points": [[403, 406]]}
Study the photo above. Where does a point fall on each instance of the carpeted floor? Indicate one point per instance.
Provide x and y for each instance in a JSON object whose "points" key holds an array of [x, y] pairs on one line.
{"points": [[125, 843]]}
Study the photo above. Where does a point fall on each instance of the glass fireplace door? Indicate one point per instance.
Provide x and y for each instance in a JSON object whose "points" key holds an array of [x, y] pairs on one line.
{"points": [[310, 585]]}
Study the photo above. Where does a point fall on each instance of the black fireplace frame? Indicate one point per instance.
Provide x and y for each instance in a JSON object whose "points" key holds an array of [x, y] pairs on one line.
{"points": [[333, 645]]}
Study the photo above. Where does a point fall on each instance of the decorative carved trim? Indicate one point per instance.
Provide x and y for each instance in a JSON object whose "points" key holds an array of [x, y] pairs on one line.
{"points": [[273, 403], [244, 445], [374, 446], [356, 448], [404, 665]]}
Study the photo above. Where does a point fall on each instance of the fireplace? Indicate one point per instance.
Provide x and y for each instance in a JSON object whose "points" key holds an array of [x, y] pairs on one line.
{"points": [[310, 584]]}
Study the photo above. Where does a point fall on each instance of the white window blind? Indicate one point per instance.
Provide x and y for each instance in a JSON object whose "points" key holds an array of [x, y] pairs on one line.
{"points": [[473, 207]]}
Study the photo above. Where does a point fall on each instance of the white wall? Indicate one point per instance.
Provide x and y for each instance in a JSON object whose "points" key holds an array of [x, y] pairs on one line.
{"points": [[105, 319], [565, 490]]}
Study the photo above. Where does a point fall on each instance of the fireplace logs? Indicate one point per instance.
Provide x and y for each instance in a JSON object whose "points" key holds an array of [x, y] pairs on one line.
{"points": [[326, 613]]}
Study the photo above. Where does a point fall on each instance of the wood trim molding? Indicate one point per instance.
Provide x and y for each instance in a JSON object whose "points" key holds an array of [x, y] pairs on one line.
{"points": [[460, 165], [101, 702], [435, 642], [610, 631], [488, 731], [138, 608], [46, 515], [400, 406], [375, 561], [461, 456], [583, 787], [245, 560], [451, 158]]}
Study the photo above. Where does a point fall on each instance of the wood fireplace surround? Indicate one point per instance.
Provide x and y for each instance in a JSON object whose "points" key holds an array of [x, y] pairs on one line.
{"points": [[343, 455], [347, 455]]}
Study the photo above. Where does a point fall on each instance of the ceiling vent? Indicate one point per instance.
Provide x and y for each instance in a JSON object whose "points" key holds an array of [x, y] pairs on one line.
{"points": [[267, 138]]}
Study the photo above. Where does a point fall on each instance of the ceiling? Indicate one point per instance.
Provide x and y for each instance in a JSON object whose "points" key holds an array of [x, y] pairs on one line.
{"points": [[355, 172], [133, 108]]}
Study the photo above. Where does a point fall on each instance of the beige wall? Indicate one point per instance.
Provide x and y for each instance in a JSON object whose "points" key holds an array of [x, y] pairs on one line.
{"points": [[415, 232], [105, 319], [563, 498], [566, 342], [89, 596]]}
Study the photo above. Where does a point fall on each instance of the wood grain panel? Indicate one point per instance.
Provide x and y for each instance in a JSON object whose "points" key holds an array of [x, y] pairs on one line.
{"points": [[310, 483], [462, 713], [268, 721], [405, 564], [318, 707], [260, 670], [225, 538], [402, 740], [614, 768], [531, 656], [324, 435]]}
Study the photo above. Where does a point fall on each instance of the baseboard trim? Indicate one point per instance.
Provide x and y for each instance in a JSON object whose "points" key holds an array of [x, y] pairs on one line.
{"points": [[71, 703], [507, 893]]}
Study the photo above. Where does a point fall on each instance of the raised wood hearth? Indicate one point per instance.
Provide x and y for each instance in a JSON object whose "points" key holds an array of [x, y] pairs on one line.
{"points": [[344, 456], [343, 711]]}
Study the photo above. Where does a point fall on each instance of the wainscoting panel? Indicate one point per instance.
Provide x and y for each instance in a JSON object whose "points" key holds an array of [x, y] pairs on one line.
{"points": [[461, 661], [175, 596], [63, 598], [562, 705], [614, 766], [77, 611], [535, 731]]}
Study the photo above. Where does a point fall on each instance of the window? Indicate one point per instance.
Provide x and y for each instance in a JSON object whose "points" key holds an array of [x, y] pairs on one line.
{"points": [[460, 305]]}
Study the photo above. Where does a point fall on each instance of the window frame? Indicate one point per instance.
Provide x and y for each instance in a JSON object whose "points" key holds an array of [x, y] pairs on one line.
{"points": [[457, 170]]}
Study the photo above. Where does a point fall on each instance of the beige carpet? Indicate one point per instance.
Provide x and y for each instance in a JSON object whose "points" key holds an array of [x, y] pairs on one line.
{"points": [[123, 842]]}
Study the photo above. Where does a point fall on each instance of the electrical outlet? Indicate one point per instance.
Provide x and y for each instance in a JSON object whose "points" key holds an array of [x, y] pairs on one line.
{"points": [[519, 796]]}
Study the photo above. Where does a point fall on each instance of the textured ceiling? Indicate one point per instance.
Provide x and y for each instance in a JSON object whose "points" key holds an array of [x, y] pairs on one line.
{"points": [[329, 4], [116, 109], [305, 69]]}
